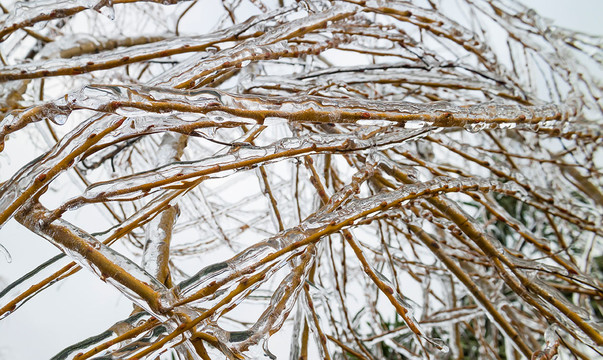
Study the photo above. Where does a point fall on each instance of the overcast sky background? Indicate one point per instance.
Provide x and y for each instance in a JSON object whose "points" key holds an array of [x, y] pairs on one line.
{"points": [[580, 15], [55, 319]]}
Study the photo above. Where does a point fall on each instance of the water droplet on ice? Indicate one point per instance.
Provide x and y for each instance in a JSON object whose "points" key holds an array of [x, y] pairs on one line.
{"points": [[59, 119]]}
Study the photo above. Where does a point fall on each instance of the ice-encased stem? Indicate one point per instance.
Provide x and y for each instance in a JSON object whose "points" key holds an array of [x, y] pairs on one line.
{"points": [[384, 287], [28, 14], [155, 258], [37, 174], [505, 266], [44, 276], [280, 306], [21, 290], [311, 108], [482, 298], [88, 252], [98, 343]]}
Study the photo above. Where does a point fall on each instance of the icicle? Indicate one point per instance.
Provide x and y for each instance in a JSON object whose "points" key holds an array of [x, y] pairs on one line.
{"points": [[6, 254]]}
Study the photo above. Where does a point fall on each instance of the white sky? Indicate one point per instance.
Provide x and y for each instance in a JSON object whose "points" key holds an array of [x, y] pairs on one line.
{"points": [[53, 320], [581, 15]]}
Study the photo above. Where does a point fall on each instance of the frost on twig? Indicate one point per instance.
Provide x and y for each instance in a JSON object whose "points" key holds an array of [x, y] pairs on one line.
{"points": [[371, 179]]}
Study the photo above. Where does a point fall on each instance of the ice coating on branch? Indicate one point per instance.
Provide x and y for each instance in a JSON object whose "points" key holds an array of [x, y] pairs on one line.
{"points": [[111, 333], [70, 63], [156, 249], [227, 274], [269, 43], [148, 338], [244, 262], [109, 265], [465, 314], [56, 112], [81, 44], [40, 171], [308, 108], [26, 13], [476, 123], [281, 304], [133, 100], [439, 185], [9, 296], [254, 23], [236, 57], [242, 158], [156, 253]]}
